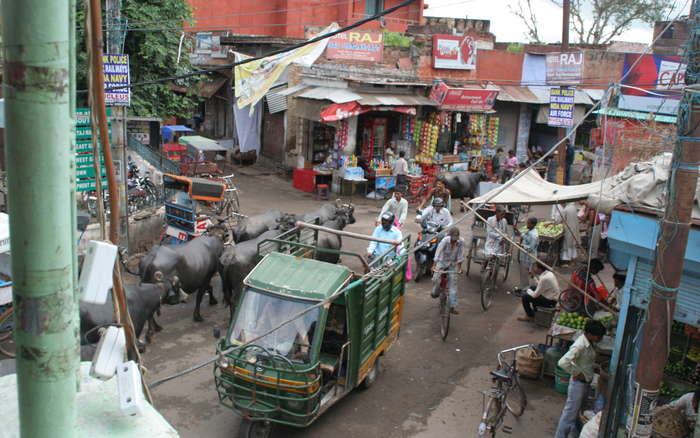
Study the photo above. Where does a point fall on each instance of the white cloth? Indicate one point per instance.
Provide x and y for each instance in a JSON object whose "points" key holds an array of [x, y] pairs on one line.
{"points": [[397, 208], [447, 255], [547, 286], [400, 167], [569, 217], [442, 218], [590, 429], [685, 405], [493, 237]]}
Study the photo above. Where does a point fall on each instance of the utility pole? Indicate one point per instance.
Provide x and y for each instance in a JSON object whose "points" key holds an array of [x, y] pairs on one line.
{"points": [[115, 45], [563, 132], [41, 181], [670, 247]]}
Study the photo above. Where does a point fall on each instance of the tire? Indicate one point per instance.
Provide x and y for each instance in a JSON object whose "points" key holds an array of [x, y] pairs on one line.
{"points": [[487, 287], [444, 315], [490, 419], [516, 400], [371, 376], [418, 273], [470, 255], [255, 429], [507, 269]]}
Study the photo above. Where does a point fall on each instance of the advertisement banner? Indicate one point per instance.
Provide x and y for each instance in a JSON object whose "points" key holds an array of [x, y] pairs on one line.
{"points": [[664, 76], [342, 111], [356, 46], [463, 99], [116, 73], [454, 52], [254, 79], [561, 107], [564, 68]]}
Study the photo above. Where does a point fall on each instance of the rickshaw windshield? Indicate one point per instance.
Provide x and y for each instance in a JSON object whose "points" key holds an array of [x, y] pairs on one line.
{"points": [[262, 312]]}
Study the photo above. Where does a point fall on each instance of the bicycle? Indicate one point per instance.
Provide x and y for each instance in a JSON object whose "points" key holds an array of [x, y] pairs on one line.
{"points": [[506, 394], [230, 204], [444, 303], [489, 275]]}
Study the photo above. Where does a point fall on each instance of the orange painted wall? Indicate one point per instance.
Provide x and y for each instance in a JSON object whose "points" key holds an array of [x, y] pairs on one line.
{"points": [[491, 65], [287, 18]]}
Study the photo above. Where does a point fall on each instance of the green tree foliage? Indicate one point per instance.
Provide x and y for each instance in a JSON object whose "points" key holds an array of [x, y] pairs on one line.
{"points": [[152, 45]]}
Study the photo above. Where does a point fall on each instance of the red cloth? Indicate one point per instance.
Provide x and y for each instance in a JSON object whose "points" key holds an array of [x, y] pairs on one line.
{"points": [[578, 278]]}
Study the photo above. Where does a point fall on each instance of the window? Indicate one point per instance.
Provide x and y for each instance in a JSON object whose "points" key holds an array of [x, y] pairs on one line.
{"points": [[668, 33], [373, 7]]}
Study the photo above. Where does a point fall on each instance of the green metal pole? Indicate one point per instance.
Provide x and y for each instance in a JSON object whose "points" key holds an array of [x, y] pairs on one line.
{"points": [[38, 150]]}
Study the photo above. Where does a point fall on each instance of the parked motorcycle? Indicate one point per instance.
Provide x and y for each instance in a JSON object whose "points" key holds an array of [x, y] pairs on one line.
{"points": [[426, 253]]}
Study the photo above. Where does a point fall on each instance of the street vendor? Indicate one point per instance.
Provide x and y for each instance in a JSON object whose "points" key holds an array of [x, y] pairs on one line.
{"points": [[439, 191], [568, 216], [545, 294], [579, 361], [397, 205], [582, 277], [400, 170], [496, 227], [529, 240]]}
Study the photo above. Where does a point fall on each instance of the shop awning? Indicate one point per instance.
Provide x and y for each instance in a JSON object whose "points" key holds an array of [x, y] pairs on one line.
{"points": [[340, 111], [206, 88], [345, 95], [168, 131], [511, 93], [637, 115], [532, 189]]}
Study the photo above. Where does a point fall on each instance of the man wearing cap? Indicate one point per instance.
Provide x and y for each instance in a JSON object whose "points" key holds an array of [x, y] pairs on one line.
{"points": [[579, 361], [397, 205], [386, 230]]}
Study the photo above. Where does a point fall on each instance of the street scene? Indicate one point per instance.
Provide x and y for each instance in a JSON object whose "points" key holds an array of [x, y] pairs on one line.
{"points": [[367, 218]]}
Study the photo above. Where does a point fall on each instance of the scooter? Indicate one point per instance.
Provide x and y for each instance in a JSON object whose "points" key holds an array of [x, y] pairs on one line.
{"points": [[427, 242]]}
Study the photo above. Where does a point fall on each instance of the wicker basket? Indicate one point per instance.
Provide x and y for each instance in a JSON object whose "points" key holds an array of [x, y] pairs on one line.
{"points": [[529, 362]]}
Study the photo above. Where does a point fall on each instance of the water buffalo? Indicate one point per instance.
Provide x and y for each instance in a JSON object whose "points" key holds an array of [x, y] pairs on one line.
{"points": [[236, 262], [330, 211], [331, 241], [188, 267], [253, 226], [143, 301], [463, 184]]}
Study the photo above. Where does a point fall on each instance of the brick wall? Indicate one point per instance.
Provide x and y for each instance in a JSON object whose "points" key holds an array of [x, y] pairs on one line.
{"points": [[673, 40]]}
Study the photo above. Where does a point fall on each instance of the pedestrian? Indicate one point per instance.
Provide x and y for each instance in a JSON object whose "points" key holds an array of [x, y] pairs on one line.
{"points": [[448, 258], [496, 227], [529, 241], [439, 191], [497, 163], [579, 361], [511, 164], [570, 155], [400, 170], [568, 216], [385, 230], [552, 167], [397, 205], [545, 294], [438, 214]]}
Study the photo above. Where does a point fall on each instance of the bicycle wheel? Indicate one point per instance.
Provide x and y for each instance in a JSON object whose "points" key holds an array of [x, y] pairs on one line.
{"points": [[470, 256], [490, 419], [516, 400], [444, 315], [487, 286]]}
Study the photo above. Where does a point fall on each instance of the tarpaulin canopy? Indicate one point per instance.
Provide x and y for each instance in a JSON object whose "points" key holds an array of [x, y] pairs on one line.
{"points": [[340, 111], [167, 132], [201, 143], [532, 189]]}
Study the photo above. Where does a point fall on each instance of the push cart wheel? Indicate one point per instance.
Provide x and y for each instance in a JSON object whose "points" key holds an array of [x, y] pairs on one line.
{"points": [[254, 429], [371, 376]]}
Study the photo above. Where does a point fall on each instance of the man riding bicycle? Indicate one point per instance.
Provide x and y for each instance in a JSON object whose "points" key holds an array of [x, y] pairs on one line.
{"points": [[448, 258], [496, 227]]}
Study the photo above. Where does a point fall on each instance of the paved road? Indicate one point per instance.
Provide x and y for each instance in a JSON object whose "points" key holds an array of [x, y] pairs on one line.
{"points": [[427, 387]]}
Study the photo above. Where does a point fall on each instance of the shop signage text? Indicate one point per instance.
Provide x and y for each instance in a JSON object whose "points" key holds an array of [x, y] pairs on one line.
{"points": [[116, 73], [84, 158], [664, 75], [561, 107], [463, 99], [356, 46], [454, 52], [564, 68]]}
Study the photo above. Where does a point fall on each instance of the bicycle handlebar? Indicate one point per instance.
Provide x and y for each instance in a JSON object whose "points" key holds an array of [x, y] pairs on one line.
{"points": [[509, 350]]}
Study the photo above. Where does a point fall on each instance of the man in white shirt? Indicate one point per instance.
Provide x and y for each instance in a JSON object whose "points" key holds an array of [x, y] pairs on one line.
{"points": [[400, 169], [397, 205], [496, 227], [545, 294], [438, 214], [448, 258]]}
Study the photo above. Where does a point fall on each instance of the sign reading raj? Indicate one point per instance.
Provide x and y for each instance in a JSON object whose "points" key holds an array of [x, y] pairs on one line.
{"points": [[356, 46], [564, 68]]}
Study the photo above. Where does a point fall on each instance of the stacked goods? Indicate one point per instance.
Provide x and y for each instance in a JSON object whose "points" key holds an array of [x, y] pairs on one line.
{"points": [[670, 391], [428, 139], [572, 320], [694, 377], [341, 135], [408, 127], [670, 423], [678, 369], [492, 130], [547, 229], [694, 354]]}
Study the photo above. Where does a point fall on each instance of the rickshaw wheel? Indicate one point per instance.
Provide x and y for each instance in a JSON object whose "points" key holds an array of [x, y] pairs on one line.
{"points": [[507, 270], [469, 258], [254, 429], [371, 376]]}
